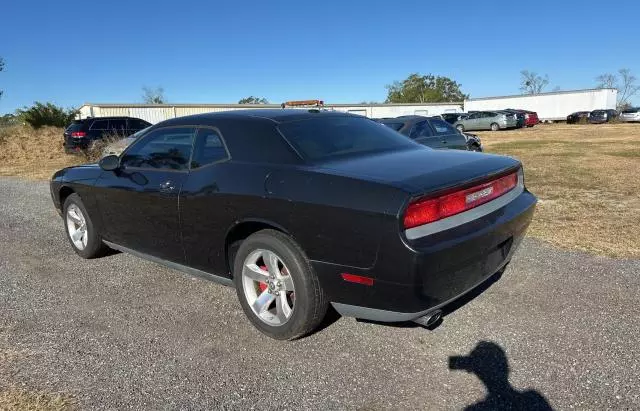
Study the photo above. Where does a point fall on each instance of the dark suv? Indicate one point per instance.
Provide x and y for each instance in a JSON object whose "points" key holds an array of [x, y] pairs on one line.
{"points": [[602, 116], [81, 133]]}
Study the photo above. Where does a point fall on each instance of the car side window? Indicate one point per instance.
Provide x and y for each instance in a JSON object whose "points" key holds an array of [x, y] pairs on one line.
{"points": [[420, 129], [165, 148], [100, 125], [117, 125], [136, 124], [472, 116], [209, 148], [442, 127]]}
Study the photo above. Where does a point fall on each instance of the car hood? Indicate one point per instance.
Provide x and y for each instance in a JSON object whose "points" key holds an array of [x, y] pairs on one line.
{"points": [[78, 173], [421, 170]]}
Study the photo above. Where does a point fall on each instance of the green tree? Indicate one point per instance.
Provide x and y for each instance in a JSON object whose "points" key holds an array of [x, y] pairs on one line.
{"points": [[253, 100], [46, 114], [427, 88], [8, 120], [153, 95], [532, 83]]}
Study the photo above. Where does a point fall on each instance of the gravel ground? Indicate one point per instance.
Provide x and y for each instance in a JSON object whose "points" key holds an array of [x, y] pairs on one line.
{"points": [[119, 332]]}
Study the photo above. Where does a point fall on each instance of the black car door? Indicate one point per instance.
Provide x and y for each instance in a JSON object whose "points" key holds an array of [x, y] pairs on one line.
{"points": [[139, 201], [423, 134], [448, 136], [204, 209]]}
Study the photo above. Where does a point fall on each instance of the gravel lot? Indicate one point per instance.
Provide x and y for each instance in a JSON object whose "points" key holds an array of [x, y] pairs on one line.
{"points": [[120, 332]]}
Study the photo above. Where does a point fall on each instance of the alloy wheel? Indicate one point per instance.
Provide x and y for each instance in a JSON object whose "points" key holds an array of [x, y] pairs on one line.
{"points": [[268, 287], [77, 227]]}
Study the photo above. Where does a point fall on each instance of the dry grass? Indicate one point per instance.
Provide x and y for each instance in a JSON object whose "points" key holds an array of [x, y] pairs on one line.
{"points": [[21, 400], [33, 154], [585, 177]]}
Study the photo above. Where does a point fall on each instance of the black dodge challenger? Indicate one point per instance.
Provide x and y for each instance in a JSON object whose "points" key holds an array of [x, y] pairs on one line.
{"points": [[301, 209]]}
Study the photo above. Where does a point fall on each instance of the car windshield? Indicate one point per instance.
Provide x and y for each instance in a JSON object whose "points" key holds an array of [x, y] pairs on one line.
{"points": [[139, 133], [632, 110], [598, 112], [333, 137]]}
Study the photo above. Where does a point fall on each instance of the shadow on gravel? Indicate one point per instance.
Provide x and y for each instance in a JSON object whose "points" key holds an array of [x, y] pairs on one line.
{"points": [[488, 361]]}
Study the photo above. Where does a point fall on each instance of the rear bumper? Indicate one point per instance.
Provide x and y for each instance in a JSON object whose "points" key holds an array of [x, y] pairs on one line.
{"points": [[431, 271], [75, 144]]}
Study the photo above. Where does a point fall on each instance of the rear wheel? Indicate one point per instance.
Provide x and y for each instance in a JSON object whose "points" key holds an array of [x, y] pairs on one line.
{"points": [[80, 229], [276, 286], [460, 128], [495, 127]]}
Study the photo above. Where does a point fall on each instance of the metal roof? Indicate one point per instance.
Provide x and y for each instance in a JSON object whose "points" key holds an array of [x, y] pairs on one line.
{"points": [[262, 106], [551, 93]]}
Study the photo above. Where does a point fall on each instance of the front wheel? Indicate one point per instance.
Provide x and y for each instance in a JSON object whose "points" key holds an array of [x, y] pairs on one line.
{"points": [[276, 286], [81, 232], [495, 127]]}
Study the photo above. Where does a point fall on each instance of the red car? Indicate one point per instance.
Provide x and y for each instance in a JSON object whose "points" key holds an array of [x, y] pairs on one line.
{"points": [[530, 117]]}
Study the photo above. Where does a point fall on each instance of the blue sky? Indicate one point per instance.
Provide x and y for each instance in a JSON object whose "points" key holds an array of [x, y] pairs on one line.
{"points": [[71, 52]]}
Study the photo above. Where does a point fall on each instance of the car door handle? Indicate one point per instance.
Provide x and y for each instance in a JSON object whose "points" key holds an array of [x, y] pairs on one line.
{"points": [[167, 187]]}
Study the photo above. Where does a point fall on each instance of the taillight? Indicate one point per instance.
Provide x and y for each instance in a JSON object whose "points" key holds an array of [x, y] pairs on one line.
{"points": [[424, 211], [78, 134]]}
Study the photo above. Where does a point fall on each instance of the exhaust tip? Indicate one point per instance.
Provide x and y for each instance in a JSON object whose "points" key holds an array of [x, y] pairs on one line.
{"points": [[429, 319]]}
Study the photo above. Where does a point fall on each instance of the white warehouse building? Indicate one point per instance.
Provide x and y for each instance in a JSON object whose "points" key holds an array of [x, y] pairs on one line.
{"points": [[155, 113], [549, 106]]}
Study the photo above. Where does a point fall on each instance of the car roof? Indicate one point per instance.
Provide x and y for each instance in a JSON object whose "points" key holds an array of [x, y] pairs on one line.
{"points": [[274, 115]]}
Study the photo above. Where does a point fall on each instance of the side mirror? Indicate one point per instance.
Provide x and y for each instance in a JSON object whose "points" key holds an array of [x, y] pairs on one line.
{"points": [[110, 163]]}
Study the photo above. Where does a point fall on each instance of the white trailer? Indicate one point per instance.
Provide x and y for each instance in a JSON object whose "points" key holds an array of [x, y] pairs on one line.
{"points": [[155, 113], [549, 106]]}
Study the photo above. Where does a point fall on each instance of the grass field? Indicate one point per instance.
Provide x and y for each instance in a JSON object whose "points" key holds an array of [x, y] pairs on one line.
{"points": [[584, 175], [586, 178], [34, 154]]}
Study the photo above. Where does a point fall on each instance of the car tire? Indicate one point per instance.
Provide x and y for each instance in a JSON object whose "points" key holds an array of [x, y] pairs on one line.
{"points": [[460, 128], [476, 148], [81, 232], [267, 294], [495, 127]]}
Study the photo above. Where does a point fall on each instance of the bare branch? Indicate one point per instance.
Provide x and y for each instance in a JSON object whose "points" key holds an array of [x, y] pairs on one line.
{"points": [[532, 83], [153, 96]]}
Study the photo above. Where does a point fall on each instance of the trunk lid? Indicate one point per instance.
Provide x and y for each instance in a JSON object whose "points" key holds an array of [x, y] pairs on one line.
{"points": [[421, 171]]}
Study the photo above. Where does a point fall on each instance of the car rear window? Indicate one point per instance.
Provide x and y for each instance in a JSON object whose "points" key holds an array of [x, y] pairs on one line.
{"points": [[395, 126], [631, 110], [597, 112], [75, 126], [100, 125], [334, 137]]}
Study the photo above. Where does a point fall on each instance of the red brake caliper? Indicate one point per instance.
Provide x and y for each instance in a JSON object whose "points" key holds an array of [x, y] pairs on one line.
{"points": [[262, 285]]}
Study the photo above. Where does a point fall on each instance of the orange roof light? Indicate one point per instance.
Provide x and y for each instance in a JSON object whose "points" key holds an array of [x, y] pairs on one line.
{"points": [[297, 103]]}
